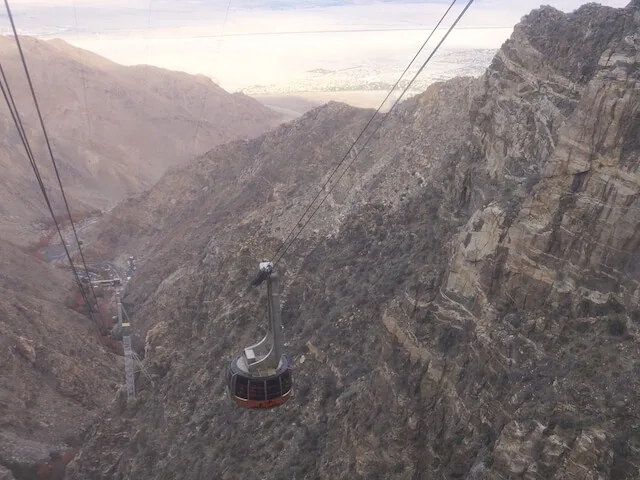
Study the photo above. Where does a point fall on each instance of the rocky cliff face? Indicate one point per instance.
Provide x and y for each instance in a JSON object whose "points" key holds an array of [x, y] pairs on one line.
{"points": [[114, 130], [55, 378], [464, 306]]}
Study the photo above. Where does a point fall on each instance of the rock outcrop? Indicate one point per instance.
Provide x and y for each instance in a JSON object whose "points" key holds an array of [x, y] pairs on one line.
{"points": [[465, 305], [55, 378]]}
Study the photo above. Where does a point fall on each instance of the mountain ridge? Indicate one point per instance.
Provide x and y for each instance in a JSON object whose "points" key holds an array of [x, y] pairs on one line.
{"points": [[113, 129], [468, 309], [465, 305]]}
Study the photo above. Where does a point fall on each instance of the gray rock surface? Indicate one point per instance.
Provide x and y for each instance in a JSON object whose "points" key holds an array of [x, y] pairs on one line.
{"points": [[464, 306], [55, 378], [5, 474]]}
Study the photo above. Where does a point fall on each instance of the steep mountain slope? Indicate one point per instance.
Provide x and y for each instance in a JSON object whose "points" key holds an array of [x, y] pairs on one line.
{"points": [[114, 130], [465, 306], [54, 378]]}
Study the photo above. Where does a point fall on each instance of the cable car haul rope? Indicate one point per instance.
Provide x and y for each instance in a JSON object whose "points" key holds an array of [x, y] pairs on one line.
{"points": [[262, 376]]}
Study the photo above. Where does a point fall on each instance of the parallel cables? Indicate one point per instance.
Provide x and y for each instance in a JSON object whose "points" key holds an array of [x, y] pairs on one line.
{"points": [[17, 121], [55, 167], [288, 245]]}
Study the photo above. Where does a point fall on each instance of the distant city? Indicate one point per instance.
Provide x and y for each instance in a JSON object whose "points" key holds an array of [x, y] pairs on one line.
{"points": [[381, 77]]}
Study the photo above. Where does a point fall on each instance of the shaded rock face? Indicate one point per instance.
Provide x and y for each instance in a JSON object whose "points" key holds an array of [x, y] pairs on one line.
{"points": [[114, 130], [5, 474], [472, 312], [55, 378], [581, 161]]}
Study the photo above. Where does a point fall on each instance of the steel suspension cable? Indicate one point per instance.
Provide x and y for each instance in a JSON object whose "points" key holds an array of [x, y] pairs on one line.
{"points": [[17, 121], [55, 167], [284, 242], [378, 127]]}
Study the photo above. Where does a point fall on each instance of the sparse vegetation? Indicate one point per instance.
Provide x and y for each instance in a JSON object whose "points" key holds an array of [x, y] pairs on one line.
{"points": [[433, 345]]}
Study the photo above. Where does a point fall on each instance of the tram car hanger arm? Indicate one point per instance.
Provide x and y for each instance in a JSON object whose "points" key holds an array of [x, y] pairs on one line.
{"points": [[261, 377], [266, 269]]}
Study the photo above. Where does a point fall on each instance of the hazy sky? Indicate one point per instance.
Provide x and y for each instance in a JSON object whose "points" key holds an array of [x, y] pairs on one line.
{"points": [[275, 15], [247, 42]]}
